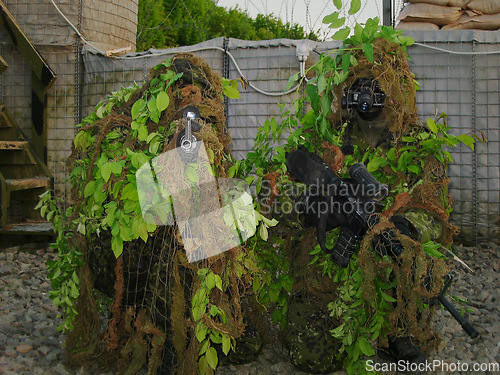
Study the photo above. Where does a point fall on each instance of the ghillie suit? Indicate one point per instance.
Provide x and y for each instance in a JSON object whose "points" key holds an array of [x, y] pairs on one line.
{"points": [[158, 298], [388, 142]]}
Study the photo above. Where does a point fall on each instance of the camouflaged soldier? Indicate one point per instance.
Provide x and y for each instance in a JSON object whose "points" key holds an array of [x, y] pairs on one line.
{"points": [[311, 346]]}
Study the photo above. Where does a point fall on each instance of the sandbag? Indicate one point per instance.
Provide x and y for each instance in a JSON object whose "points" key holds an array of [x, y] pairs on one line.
{"points": [[445, 3], [417, 26], [483, 22], [439, 15], [485, 6]]}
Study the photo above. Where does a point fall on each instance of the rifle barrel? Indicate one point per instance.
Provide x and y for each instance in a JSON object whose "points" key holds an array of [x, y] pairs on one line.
{"points": [[467, 327]]}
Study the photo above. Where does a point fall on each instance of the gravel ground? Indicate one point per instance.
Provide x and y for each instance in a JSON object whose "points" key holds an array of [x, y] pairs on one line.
{"points": [[30, 343]]}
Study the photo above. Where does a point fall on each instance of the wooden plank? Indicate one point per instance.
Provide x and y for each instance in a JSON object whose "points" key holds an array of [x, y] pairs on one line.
{"points": [[3, 65], [13, 145], [27, 183], [4, 119], [37, 63], [42, 228]]}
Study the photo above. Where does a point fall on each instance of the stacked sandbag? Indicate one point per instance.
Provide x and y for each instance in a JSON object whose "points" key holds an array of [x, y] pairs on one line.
{"points": [[450, 15], [479, 15]]}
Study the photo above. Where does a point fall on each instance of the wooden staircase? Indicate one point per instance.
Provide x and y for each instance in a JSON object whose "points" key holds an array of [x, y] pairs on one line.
{"points": [[23, 177]]}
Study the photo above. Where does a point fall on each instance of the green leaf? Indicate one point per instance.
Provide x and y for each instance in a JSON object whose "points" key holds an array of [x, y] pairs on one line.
{"points": [[346, 61], [355, 7], [218, 282], [323, 126], [162, 101], [391, 154], [337, 3], [263, 232], [365, 347], [74, 291], [116, 168], [166, 64], [137, 108], [89, 189], [314, 98], [339, 78], [270, 223], [142, 133], [369, 30], [226, 344], [100, 111], [117, 246], [430, 248], [331, 18], [291, 81], [406, 40], [342, 34], [212, 359], [376, 163], [81, 228], [203, 365], [167, 76], [143, 230], [387, 297], [337, 23], [112, 135], [231, 92], [432, 125], [215, 337], [368, 50], [201, 331], [210, 280], [326, 105], [322, 82], [155, 116], [466, 140], [214, 310], [106, 171], [357, 37], [414, 168], [152, 104]]}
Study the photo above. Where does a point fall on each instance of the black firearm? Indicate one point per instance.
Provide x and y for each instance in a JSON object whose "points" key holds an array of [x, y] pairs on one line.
{"points": [[331, 202], [353, 204]]}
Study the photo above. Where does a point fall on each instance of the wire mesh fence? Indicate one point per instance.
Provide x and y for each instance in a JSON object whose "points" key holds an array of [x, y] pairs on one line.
{"points": [[459, 75], [460, 78]]}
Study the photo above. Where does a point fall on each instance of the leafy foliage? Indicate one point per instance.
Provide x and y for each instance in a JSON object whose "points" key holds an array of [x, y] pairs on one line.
{"points": [[171, 23], [63, 272]]}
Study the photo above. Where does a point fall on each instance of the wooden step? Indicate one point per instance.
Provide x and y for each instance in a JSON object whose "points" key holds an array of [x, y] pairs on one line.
{"points": [[32, 228], [4, 121], [27, 183], [13, 145], [4, 124], [9, 134]]}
